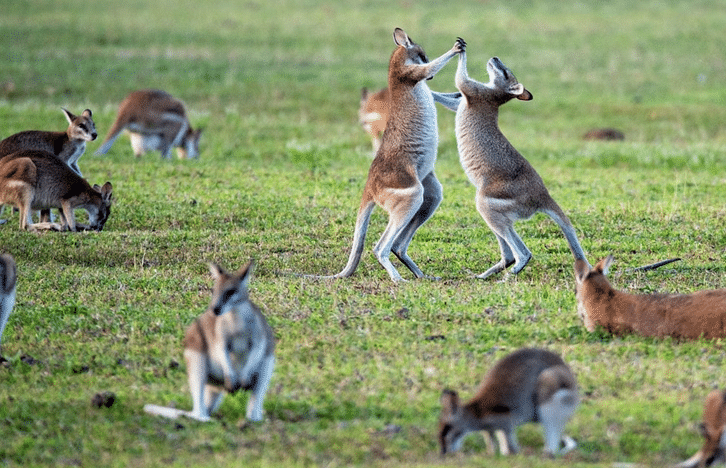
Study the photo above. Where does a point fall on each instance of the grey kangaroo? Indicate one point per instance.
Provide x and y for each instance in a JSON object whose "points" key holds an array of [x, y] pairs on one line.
{"points": [[508, 188]]}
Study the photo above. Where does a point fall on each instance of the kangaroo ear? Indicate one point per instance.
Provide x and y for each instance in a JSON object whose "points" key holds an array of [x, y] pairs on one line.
{"points": [[582, 269], [525, 96], [68, 114], [520, 92], [87, 113], [245, 272], [603, 266], [401, 38], [216, 271]]}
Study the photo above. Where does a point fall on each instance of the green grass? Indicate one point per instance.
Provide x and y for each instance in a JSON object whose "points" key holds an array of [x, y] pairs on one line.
{"points": [[361, 362]]}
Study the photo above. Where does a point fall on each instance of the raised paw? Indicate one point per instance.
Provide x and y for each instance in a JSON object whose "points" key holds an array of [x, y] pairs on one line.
{"points": [[460, 45]]}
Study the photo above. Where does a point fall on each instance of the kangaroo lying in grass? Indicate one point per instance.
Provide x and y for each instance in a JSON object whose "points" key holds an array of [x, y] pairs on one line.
{"points": [[529, 385], [713, 429], [698, 315], [230, 347]]}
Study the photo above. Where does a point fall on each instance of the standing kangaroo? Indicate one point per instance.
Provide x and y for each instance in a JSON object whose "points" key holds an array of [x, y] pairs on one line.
{"points": [[507, 186], [38, 180], [528, 385], [155, 121], [401, 178], [713, 429], [69, 146], [701, 314], [8, 277], [229, 347]]}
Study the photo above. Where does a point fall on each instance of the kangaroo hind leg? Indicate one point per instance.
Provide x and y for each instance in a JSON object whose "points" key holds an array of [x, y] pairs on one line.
{"points": [[259, 389], [402, 204], [433, 194]]}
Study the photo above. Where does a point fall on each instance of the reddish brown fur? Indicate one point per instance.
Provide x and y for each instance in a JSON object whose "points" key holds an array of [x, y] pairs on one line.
{"points": [[689, 316], [373, 114], [401, 178], [712, 430], [154, 113]]}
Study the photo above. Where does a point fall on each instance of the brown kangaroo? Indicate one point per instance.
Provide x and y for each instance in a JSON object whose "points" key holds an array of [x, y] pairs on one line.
{"points": [[401, 178], [690, 316]]}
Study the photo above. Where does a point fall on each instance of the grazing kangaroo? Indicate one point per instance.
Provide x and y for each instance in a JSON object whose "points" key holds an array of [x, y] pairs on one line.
{"points": [[528, 385], [401, 178], [69, 146], [155, 121], [8, 277], [229, 347], [38, 180], [507, 186], [373, 112], [713, 429], [698, 315]]}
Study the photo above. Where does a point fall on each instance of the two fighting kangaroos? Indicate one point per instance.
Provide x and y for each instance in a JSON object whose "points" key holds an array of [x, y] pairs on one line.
{"points": [[401, 177]]}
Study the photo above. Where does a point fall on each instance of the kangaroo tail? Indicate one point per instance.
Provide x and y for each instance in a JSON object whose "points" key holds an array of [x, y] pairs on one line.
{"points": [[113, 133], [568, 230], [165, 411], [359, 237]]}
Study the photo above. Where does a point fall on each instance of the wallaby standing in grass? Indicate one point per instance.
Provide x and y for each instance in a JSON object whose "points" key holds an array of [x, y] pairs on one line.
{"points": [[8, 277], [701, 314], [229, 347], [69, 146], [373, 111], [155, 121], [401, 178], [713, 429], [38, 180], [528, 385], [507, 186]]}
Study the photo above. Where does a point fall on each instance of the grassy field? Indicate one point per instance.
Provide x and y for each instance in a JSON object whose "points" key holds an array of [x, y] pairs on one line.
{"points": [[361, 362]]}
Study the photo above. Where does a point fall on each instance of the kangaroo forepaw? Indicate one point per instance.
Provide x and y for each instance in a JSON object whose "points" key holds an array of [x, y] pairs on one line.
{"points": [[460, 45]]}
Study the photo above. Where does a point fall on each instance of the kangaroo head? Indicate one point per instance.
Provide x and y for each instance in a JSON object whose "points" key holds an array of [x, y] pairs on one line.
{"points": [[190, 144], [81, 127], [590, 283], [229, 288], [713, 429], [503, 80], [452, 422], [414, 52], [98, 218]]}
